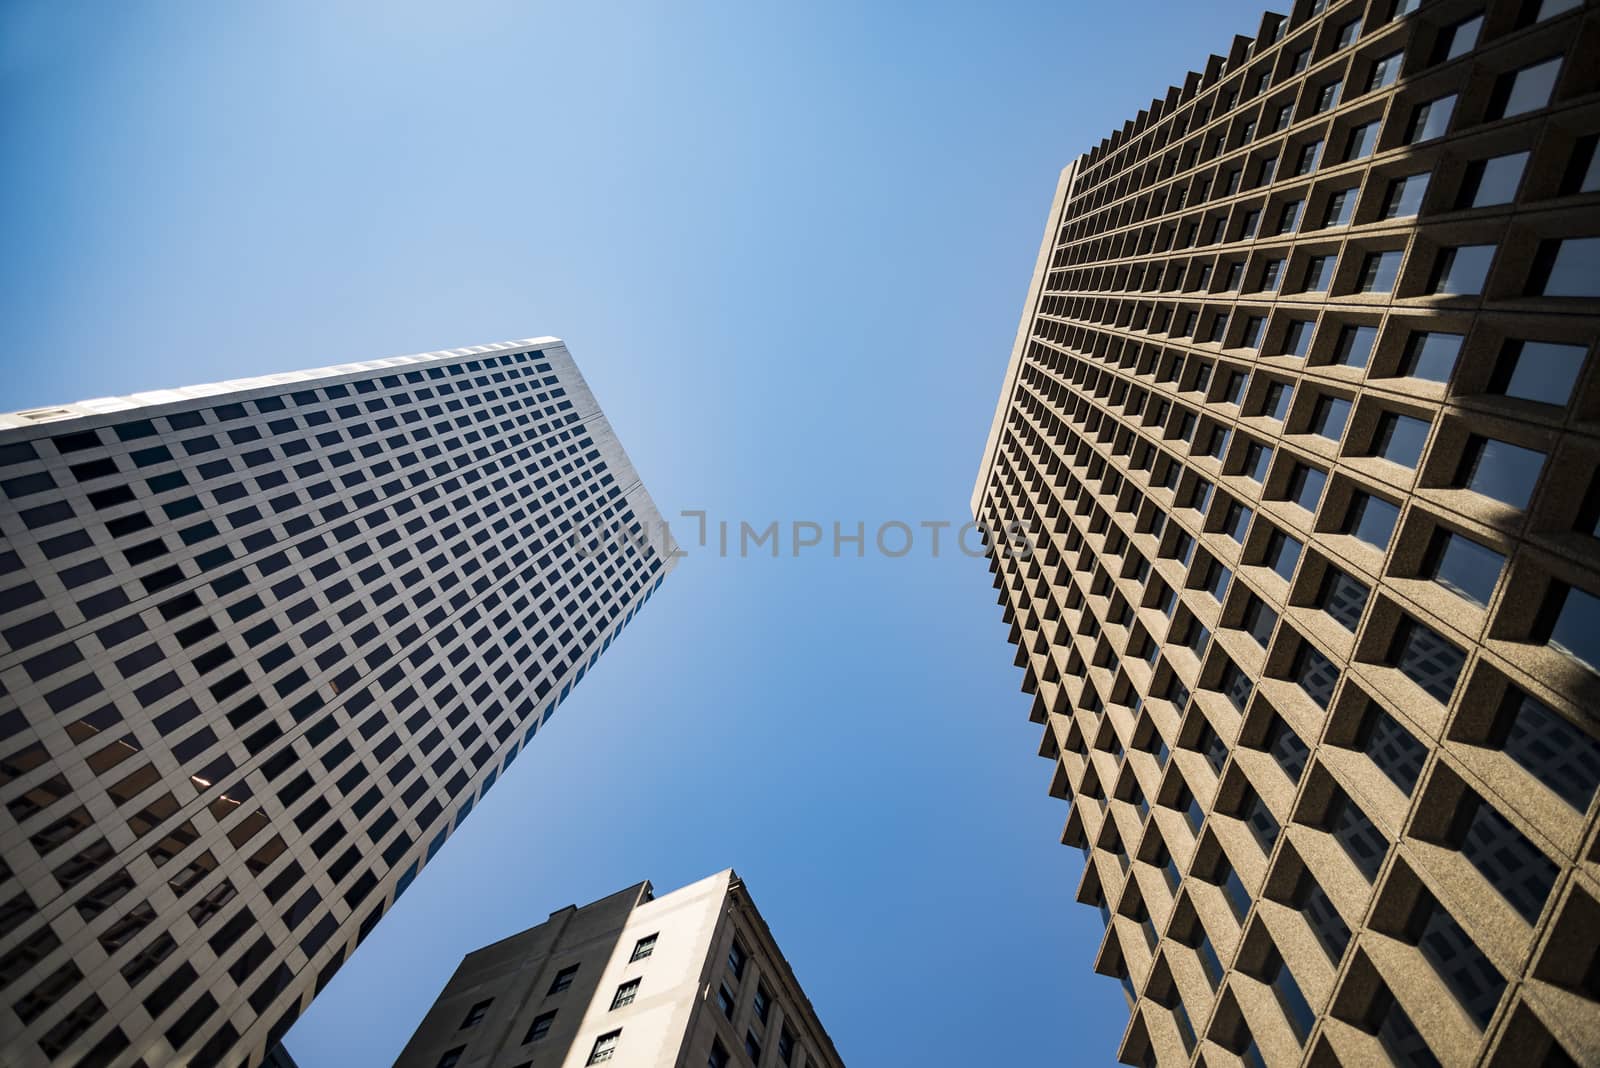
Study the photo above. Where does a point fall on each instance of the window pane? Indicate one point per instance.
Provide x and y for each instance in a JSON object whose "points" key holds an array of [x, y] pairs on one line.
{"points": [[1431, 356], [1463, 566], [1319, 273], [1551, 8], [1538, 371], [1460, 963], [1362, 840], [1305, 486], [1400, 438], [1463, 269], [1355, 345], [1289, 217], [1458, 40], [1277, 401], [1525, 90], [1283, 554], [1259, 620], [1553, 750], [1341, 206], [1297, 338], [1333, 934], [1431, 119], [1513, 865], [1371, 519], [1379, 272], [1362, 140], [1501, 470], [1315, 673], [1427, 659], [1329, 416], [1287, 749], [1405, 196], [1576, 630], [1385, 71], [1574, 268], [1492, 181], [1343, 598], [1393, 748]]}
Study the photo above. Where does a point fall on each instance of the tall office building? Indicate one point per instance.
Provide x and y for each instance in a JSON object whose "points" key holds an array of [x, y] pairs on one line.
{"points": [[692, 979], [263, 644], [1303, 416]]}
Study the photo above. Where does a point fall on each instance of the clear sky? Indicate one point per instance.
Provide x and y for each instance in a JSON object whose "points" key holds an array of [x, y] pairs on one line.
{"points": [[788, 245]]}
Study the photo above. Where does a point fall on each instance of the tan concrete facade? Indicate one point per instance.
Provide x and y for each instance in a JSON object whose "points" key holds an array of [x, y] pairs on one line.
{"points": [[692, 978], [1304, 423]]}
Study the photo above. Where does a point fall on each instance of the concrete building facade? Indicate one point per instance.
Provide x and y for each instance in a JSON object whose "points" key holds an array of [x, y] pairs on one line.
{"points": [[263, 644], [692, 979], [1304, 422]]}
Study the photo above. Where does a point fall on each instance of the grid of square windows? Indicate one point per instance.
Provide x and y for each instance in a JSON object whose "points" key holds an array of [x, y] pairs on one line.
{"points": [[1406, 319], [338, 574]]}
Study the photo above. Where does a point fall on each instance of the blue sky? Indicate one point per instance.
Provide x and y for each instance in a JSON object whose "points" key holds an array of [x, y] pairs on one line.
{"points": [[788, 245]]}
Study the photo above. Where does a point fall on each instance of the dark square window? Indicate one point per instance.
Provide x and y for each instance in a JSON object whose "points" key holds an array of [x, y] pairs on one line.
{"points": [[1297, 337], [1343, 598], [1570, 622], [1521, 91], [562, 980], [1328, 416], [1462, 566], [1458, 39], [1275, 403], [1404, 198], [1566, 268], [1259, 620], [1431, 356], [1498, 469], [1549, 747], [1257, 458], [1379, 271], [1583, 169], [1259, 818], [1460, 963], [476, 1014], [1395, 751], [1333, 934], [1355, 345], [605, 1047], [539, 1028], [1462, 270], [1282, 554], [1315, 673], [1542, 371], [1430, 119], [1341, 208], [1427, 659], [625, 994], [1319, 274], [1400, 438], [1514, 866], [1286, 748], [1305, 486], [1360, 837], [1492, 181]]}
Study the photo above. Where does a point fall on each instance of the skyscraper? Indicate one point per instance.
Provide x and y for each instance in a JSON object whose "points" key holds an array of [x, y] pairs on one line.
{"points": [[265, 643], [692, 979], [1301, 418]]}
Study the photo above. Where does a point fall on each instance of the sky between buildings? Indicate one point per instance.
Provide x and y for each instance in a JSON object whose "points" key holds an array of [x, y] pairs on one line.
{"points": [[788, 245]]}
